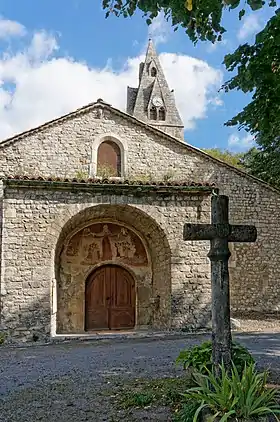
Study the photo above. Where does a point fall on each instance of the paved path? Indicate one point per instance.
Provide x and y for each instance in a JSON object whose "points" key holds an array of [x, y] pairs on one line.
{"points": [[22, 369]]}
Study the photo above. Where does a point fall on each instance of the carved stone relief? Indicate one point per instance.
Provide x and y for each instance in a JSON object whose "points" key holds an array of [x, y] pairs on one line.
{"points": [[99, 112], [92, 245], [102, 242]]}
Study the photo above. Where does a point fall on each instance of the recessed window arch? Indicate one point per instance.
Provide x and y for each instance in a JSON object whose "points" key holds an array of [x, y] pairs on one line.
{"points": [[161, 113], [108, 156], [153, 113], [109, 159], [153, 72]]}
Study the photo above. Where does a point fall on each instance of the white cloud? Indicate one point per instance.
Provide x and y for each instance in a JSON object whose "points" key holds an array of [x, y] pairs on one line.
{"points": [[195, 84], [160, 29], [250, 26], [240, 143], [36, 86], [10, 28], [42, 46]]}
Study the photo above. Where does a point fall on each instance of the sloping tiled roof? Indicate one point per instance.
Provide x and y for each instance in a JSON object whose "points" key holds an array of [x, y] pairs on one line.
{"points": [[111, 181], [104, 184]]}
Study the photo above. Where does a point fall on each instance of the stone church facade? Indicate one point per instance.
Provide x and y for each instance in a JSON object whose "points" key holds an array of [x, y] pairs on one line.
{"points": [[92, 212]]}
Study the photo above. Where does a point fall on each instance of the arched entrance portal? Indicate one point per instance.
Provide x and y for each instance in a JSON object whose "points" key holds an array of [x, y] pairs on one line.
{"points": [[119, 236], [109, 299]]}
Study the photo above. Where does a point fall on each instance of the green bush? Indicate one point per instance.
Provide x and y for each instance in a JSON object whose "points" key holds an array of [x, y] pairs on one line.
{"points": [[199, 358], [232, 395]]}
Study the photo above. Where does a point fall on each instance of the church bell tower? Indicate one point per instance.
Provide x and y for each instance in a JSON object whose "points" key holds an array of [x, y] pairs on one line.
{"points": [[153, 102]]}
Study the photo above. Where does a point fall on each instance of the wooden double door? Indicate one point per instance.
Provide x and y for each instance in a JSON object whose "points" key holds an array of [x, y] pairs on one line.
{"points": [[110, 299]]}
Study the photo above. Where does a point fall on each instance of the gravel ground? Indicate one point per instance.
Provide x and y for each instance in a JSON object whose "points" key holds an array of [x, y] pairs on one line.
{"points": [[259, 323], [76, 381]]}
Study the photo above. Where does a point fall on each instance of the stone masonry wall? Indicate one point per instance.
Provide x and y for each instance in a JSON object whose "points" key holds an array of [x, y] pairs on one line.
{"points": [[65, 149], [35, 220]]}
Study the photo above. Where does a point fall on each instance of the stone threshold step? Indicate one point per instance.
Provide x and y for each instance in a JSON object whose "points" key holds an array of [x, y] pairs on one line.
{"points": [[124, 335]]}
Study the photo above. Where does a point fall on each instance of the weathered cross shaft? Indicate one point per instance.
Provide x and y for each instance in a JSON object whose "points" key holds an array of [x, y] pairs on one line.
{"points": [[237, 233], [220, 233]]}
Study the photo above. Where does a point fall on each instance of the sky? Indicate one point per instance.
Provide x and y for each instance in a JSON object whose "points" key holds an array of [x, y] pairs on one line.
{"points": [[59, 55]]}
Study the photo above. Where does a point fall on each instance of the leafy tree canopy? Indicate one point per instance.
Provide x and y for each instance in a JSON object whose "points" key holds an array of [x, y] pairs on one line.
{"points": [[258, 70], [264, 165], [201, 19], [234, 159]]}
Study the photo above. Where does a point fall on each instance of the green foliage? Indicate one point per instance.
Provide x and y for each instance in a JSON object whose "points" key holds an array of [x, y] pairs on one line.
{"points": [[142, 177], [169, 175], [201, 19], [264, 164], [199, 358], [257, 69], [165, 391], [234, 159], [186, 412], [2, 338], [105, 171], [81, 175], [231, 395], [139, 400]]}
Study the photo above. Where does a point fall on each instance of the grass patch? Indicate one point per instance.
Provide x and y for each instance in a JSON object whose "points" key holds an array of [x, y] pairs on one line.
{"points": [[160, 392], [2, 338], [144, 392]]}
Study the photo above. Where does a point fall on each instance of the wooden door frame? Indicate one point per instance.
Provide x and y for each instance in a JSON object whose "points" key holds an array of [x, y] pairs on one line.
{"points": [[112, 264]]}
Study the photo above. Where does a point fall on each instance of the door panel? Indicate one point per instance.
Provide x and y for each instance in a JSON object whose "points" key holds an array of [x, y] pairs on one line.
{"points": [[96, 301], [122, 313], [110, 299]]}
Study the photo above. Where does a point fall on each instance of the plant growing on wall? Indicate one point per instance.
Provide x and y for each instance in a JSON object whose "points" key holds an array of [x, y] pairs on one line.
{"points": [[105, 171], [81, 174], [142, 177], [169, 175]]}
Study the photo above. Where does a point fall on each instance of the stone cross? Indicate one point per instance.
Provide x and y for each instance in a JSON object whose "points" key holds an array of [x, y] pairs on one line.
{"points": [[220, 233]]}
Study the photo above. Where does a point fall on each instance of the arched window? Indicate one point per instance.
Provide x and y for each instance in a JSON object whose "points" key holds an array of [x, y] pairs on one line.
{"points": [[161, 113], [153, 72], [108, 160], [153, 113]]}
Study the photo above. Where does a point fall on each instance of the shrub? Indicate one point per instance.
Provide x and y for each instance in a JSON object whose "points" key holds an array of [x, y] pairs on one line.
{"points": [[199, 358], [233, 395]]}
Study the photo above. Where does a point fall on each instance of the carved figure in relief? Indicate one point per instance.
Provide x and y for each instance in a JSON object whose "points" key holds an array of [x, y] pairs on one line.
{"points": [[123, 246], [99, 113], [90, 241], [71, 249], [88, 248]]}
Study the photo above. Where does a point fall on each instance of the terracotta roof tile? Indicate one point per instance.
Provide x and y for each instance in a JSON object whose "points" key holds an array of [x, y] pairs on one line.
{"points": [[98, 181]]}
